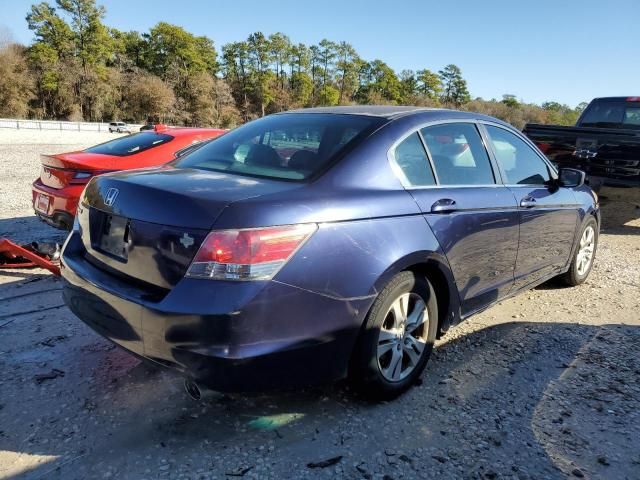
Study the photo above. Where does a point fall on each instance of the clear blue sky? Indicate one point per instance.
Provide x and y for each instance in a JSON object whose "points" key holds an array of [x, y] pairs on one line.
{"points": [[568, 51]]}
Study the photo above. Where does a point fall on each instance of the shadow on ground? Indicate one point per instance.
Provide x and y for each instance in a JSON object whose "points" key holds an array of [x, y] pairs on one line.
{"points": [[620, 211], [29, 229]]}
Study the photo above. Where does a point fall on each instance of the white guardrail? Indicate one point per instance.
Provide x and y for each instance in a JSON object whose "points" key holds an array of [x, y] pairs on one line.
{"points": [[59, 125]]}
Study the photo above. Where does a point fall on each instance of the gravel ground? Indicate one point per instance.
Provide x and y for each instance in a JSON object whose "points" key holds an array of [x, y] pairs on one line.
{"points": [[542, 386]]}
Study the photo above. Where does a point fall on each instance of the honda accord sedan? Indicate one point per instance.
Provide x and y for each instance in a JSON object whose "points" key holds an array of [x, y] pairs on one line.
{"points": [[323, 243]]}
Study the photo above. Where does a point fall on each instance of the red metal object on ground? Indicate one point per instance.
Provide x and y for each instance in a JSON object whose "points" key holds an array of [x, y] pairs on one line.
{"points": [[63, 176], [26, 256]]}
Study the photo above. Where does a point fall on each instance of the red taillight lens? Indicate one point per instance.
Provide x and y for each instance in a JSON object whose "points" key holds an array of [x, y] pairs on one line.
{"points": [[544, 147], [252, 254], [80, 178]]}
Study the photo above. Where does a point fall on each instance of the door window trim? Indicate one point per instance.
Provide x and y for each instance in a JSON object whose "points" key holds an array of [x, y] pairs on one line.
{"points": [[497, 172]]}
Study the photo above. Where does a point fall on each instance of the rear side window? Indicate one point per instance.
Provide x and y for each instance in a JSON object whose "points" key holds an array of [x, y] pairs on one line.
{"points": [[458, 154], [411, 159], [131, 144], [521, 164], [603, 114], [291, 146], [631, 116], [612, 114]]}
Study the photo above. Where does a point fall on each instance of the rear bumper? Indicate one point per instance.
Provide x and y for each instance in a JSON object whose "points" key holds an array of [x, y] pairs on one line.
{"points": [[63, 204], [229, 336]]}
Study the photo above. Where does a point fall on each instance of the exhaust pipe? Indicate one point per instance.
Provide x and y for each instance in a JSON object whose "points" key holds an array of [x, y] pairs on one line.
{"points": [[192, 389]]}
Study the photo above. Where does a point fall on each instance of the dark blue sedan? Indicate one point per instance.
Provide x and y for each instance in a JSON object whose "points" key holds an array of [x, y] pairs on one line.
{"points": [[313, 245]]}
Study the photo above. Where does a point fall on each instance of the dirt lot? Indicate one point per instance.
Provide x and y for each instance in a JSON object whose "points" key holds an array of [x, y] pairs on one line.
{"points": [[545, 385]]}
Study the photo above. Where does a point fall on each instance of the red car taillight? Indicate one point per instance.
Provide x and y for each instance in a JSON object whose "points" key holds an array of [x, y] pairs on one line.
{"points": [[250, 254], [80, 178]]}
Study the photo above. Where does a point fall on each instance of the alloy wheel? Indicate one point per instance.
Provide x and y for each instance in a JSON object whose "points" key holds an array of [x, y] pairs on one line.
{"points": [[403, 337], [585, 252]]}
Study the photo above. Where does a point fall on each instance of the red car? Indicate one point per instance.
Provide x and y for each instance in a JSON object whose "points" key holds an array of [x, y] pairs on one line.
{"points": [[63, 176]]}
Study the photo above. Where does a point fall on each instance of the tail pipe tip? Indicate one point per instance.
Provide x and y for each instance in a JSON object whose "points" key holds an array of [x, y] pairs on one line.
{"points": [[192, 389]]}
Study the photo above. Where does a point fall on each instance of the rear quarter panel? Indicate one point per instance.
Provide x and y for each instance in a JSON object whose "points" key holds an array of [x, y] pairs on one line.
{"points": [[354, 260]]}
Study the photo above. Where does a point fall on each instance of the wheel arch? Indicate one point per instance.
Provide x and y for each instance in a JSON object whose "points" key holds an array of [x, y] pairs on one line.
{"points": [[435, 267]]}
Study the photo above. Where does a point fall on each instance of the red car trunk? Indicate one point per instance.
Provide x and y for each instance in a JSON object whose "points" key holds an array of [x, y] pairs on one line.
{"points": [[63, 176], [64, 169]]}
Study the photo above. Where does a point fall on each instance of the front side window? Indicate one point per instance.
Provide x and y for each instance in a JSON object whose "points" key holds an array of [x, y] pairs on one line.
{"points": [[291, 146], [131, 144], [458, 154], [520, 163], [411, 159]]}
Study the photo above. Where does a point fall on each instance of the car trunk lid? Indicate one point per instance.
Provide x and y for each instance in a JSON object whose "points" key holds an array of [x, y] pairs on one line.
{"points": [[60, 170], [147, 225]]}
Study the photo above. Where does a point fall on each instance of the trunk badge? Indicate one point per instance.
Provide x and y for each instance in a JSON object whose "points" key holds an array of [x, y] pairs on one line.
{"points": [[111, 196], [186, 240]]}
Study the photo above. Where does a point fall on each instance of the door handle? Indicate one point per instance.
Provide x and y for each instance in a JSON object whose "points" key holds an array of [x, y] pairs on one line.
{"points": [[528, 202], [444, 205]]}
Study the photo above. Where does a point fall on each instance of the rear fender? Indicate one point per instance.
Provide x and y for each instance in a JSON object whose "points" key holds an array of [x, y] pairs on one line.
{"points": [[589, 209], [433, 266], [355, 260]]}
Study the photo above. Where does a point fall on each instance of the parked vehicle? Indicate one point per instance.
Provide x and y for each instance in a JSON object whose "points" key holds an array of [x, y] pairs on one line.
{"points": [[605, 142], [148, 126], [311, 245], [119, 127], [63, 176]]}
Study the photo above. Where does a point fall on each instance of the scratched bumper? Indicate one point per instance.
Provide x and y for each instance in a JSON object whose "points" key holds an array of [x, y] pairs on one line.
{"points": [[230, 336]]}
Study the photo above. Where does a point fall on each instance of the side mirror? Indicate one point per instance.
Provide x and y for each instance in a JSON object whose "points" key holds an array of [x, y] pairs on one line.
{"points": [[571, 177]]}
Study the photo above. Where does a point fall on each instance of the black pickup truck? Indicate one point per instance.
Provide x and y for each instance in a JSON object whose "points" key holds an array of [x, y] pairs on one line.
{"points": [[605, 143]]}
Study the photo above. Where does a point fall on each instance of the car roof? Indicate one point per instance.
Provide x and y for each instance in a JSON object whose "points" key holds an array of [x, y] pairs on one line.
{"points": [[180, 131], [620, 99], [385, 111], [391, 112]]}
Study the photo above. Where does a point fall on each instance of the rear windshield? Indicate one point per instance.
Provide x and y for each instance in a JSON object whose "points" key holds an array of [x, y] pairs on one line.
{"points": [[131, 144], [612, 114], [291, 146]]}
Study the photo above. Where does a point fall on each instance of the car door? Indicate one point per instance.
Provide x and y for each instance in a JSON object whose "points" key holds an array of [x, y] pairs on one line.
{"points": [[475, 219], [548, 213]]}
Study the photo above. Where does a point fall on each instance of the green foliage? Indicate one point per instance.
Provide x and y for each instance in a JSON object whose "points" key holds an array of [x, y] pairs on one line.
{"points": [[50, 29], [429, 84], [171, 51], [454, 86], [91, 38], [77, 67], [302, 88], [510, 100]]}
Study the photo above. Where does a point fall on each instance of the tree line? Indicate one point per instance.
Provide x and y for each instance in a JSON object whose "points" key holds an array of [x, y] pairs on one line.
{"points": [[78, 68]]}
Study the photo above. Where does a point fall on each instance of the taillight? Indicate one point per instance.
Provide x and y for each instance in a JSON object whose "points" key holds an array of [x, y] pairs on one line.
{"points": [[81, 177], [249, 254], [544, 147]]}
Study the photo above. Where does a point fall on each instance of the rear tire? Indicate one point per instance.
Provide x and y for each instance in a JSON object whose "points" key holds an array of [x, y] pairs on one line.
{"points": [[584, 256], [397, 339]]}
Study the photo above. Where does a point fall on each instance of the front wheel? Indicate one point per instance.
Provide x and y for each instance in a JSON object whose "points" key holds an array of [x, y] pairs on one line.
{"points": [[585, 254], [398, 338]]}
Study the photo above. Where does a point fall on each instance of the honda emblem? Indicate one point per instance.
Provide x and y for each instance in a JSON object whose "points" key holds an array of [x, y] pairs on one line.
{"points": [[111, 196]]}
